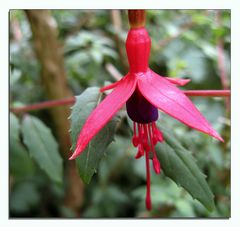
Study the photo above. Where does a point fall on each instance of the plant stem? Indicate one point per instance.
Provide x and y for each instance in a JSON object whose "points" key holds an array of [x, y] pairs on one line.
{"points": [[113, 71], [71, 100], [44, 105], [209, 93]]}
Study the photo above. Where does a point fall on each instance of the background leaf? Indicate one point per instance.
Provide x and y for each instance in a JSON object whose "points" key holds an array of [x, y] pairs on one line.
{"points": [[20, 163], [178, 164], [88, 161], [42, 147], [24, 196]]}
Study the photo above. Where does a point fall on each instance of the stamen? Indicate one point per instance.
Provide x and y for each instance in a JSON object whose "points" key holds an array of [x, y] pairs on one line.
{"points": [[140, 131], [154, 137], [135, 138], [156, 163], [140, 152], [134, 128], [145, 138], [157, 134]]}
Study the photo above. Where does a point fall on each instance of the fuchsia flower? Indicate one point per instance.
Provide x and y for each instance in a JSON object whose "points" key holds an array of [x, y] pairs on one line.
{"points": [[144, 92]]}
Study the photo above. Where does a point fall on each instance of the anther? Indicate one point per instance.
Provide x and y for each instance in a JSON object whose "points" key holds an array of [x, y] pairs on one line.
{"points": [[135, 141], [140, 152], [156, 165], [157, 134], [155, 161]]}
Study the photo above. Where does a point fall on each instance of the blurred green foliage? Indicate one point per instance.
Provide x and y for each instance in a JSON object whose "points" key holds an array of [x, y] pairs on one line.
{"points": [[184, 44]]}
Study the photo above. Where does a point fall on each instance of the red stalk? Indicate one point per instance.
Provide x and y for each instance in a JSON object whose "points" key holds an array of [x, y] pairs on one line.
{"points": [[209, 93], [43, 105], [71, 100]]}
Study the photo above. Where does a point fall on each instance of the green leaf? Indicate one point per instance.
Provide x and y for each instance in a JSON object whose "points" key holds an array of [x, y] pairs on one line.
{"points": [[24, 197], [20, 163], [88, 161], [178, 164], [14, 127], [42, 147]]}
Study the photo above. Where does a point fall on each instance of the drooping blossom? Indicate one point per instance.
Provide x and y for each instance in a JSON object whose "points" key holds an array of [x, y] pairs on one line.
{"points": [[144, 92]]}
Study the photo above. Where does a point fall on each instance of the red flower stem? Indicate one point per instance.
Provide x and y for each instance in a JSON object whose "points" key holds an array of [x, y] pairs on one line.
{"points": [[210, 93], [71, 100], [43, 105]]}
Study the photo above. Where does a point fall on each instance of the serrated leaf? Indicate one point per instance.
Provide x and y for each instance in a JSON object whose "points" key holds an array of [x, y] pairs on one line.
{"points": [[20, 163], [42, 147], [88, 161], [179, 165]]}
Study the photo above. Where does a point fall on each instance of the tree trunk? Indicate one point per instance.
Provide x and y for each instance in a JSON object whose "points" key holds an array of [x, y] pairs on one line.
{"points": [[50, 55]]}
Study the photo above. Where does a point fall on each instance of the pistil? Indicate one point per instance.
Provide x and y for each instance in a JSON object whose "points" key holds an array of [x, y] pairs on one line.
{"points": [[148, 192]]}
